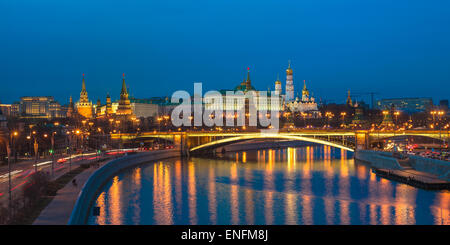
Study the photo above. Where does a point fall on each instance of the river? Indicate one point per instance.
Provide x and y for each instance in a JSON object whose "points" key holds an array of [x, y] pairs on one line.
{"points": [[303, 185]]}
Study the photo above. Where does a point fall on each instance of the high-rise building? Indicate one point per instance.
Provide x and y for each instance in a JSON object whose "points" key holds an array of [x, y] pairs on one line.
{"points": [[84, 106], [124, 103], [5, 109], [39, 107], [289, 84]]}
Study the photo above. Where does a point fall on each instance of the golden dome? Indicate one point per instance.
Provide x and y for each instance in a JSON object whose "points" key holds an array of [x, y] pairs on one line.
{"points": [[277, 82], [289, 70]]}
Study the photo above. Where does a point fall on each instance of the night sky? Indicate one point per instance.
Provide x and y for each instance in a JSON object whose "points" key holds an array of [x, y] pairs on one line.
{"points": [[399, 48]]}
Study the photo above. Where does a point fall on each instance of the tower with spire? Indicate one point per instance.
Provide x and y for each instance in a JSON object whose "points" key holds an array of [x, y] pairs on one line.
{"points": [[349, 100], [71, 108], [84, 106], [124, 107], [289, 84], [305, 92], [98, 108], [278, 89], [109, 110], [248, 83]]}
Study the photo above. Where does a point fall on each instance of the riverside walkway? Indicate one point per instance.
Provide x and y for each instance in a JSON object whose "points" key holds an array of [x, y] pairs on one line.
{"points": [[59, 210]]}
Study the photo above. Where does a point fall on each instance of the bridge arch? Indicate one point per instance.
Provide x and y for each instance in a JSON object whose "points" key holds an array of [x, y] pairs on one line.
{"points": [[231, 140]]}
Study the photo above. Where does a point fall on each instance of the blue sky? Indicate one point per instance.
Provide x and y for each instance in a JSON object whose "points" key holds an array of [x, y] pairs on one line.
{"points": [[397, 48]]}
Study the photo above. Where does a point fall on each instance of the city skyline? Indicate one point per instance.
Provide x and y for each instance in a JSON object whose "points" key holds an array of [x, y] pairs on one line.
{"points": [[170, 45], [225, 112]]}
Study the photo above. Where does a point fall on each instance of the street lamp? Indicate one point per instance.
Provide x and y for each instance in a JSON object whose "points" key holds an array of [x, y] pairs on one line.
{"points": [[343, 114], [328, 116], [11, 151], [69, 139], [35, 145], [396, 114], [52, 151]]}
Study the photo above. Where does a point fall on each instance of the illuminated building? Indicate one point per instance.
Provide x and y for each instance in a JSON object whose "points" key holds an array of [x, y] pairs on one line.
{"points": [[98, 108], [289, 84], [278, 89], [44, 107], [358, 119], [84, 106], [108, 106], [237, 103], [5, 109], [305, 104], [70, 108], [139, 107], [408, 105]]}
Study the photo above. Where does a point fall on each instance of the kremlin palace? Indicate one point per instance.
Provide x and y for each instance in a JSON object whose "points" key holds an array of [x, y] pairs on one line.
{"points": [[284, 101]]}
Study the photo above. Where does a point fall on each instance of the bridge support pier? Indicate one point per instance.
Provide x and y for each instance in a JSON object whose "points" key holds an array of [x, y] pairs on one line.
{"points": [[180, 141], [362, 140]]}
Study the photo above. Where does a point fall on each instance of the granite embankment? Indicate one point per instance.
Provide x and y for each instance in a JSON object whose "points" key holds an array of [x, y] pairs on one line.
{"points": [[386, 160]]}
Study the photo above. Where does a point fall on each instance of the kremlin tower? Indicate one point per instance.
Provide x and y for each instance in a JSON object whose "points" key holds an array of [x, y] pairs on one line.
{"points": [[109, 110], [71, 108], [248, 84], [124, 107], [305, 92], [84, 106], [289, 84], [349, 100], [278, 89], [98, 108]]}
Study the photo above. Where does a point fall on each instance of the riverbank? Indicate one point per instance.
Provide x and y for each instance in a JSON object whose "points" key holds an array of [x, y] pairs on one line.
{"points": [[425, 173], [72, 203]]}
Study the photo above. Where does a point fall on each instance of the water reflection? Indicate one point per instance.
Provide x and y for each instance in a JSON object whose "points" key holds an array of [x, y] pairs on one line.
{"points": [[306, 185]]}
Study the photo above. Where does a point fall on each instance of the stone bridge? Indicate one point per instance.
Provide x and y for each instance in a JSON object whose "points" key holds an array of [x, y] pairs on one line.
{"points": [[194, 142]]}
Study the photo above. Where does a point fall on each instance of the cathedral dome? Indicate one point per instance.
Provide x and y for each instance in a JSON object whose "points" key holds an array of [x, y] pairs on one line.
{"points": [[289, 71]]}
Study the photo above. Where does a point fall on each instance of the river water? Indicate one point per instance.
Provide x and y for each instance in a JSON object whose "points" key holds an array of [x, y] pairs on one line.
{"points": [[304, 185]]}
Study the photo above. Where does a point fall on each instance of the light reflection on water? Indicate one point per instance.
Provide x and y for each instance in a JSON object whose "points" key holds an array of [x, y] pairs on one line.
{"points": [[307, 185]]}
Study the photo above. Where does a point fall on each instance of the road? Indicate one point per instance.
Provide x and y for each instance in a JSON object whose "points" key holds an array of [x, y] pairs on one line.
{"points": [[21, 172]]}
